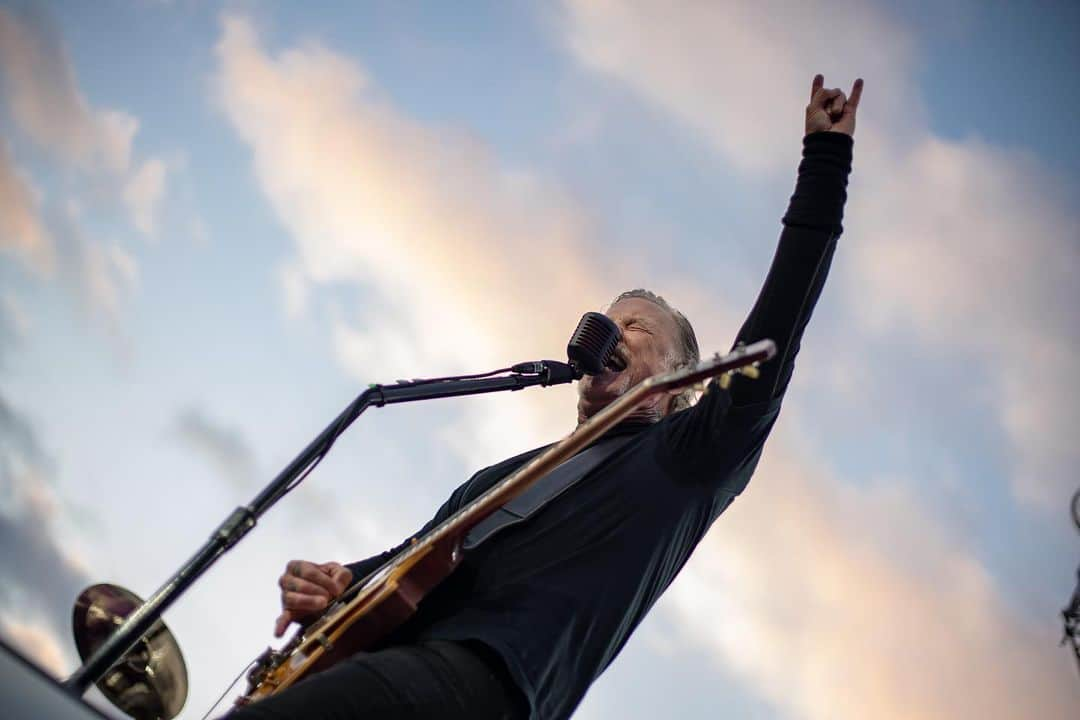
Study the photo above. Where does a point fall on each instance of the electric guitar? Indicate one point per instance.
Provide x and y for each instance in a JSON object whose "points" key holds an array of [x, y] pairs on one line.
{"points": [[377, 604]]}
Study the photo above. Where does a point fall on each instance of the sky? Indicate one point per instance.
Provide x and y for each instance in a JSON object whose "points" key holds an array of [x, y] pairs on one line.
{"points": [[219, 222]]}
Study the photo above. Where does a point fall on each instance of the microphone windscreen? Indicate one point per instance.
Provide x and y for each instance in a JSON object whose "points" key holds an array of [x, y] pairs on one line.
{"points": [[593, 342]]}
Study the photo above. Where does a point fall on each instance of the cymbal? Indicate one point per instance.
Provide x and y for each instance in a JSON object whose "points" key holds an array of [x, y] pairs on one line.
{"points": [[150, 681]]}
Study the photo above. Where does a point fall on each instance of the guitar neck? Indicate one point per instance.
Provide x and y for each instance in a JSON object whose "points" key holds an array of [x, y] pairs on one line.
{"points": [[456, 526]]}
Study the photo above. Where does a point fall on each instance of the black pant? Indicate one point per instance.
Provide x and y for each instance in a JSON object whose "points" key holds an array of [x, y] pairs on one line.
{"points": [[434, 679]]}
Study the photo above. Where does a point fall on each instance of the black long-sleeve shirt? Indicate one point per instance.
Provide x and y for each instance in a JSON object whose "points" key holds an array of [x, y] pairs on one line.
{"points": [[557, 596]]}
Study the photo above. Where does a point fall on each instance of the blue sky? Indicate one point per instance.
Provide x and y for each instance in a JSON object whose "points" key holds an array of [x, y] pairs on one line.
{"points": [[217, 224]]}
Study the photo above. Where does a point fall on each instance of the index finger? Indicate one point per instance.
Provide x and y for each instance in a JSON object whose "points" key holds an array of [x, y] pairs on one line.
{"points": [[283, 621], [856, 93], [819, 82], [341, 575], [314, 574]]}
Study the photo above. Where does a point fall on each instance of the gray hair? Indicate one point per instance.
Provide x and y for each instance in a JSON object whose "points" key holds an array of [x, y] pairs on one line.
{"points": [[686, 352]]}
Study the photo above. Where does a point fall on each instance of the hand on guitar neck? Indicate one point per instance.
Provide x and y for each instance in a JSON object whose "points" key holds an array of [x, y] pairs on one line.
{"points": [[307, 589]]}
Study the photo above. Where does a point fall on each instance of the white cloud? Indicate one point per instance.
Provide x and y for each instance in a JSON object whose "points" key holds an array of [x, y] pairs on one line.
{"points": [[14, 314], [39, 644], [42, 577], [222, 447], [835, 601], [143, 194], [294, 288], [46, 103], [739, 73], [21, 228], [10, 334], [125, 265], [842, 602], [469, 265], [973, 250], [92, 148], [108, 275]]}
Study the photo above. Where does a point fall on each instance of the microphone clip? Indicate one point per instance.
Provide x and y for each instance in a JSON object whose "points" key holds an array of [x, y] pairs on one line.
{"points": [[551, 372]]}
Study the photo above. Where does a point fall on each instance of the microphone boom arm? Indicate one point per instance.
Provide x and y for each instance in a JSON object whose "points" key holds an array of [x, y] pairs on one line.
{"points": [[244, 517]]}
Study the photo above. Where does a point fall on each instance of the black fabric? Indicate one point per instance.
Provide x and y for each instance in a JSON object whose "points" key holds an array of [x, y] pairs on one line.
{"points": [[414, 682], [558, 596], [543, 491]]}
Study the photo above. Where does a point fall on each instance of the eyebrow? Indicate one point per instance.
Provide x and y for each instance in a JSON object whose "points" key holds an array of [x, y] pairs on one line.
{"points": [[638, 319]]}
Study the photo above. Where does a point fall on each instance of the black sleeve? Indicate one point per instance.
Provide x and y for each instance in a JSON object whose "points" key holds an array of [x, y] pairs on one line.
{"points": [[480, 482], [812, 225], [745, 413]]}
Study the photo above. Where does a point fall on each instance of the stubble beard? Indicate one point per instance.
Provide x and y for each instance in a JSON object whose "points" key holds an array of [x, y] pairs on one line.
{"points": [[596, 392]]}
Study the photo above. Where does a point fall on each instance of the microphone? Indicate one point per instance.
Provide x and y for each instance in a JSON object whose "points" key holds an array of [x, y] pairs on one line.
{"points": [[591, 349], [592, 346]]}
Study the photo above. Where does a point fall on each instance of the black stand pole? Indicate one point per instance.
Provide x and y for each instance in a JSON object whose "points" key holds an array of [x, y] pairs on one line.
{"points": [[243, 518], [1071, 616], [1071, 613]]}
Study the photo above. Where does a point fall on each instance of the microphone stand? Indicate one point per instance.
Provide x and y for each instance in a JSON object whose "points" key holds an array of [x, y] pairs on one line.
{"points": [[1071, 613], [243, 518]]}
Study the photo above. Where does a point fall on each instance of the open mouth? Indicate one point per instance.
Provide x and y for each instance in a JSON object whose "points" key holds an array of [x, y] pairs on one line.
{"points": [[610, 373], [617, 363]]}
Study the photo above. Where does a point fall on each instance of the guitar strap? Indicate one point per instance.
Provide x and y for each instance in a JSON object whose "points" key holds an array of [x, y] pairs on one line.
{"points": [[544, 490]]}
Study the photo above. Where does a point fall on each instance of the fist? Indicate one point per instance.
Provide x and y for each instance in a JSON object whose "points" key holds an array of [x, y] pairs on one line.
{"points": [[308, 588], [831, 110]]}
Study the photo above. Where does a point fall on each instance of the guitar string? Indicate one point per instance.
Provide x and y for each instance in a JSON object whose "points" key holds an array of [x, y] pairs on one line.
{"points": [[227, 689], [351, 594], [436, 533]]}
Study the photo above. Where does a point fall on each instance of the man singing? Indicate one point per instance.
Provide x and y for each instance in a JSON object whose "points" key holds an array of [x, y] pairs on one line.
{"points": [[540, 607]]}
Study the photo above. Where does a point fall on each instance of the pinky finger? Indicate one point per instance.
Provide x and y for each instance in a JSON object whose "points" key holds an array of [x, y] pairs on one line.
{"points": [[282, 623], [856, 94]]}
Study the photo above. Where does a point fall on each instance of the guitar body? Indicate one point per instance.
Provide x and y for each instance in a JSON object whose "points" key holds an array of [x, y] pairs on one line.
{"points": [[358, 624], [369, 611]]}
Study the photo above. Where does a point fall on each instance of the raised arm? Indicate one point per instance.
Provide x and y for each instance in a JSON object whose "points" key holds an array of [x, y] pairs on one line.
{"points": [[812, 225]]}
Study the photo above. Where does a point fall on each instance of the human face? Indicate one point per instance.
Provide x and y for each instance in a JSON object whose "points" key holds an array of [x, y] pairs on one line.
{"points": [[649, 339]]}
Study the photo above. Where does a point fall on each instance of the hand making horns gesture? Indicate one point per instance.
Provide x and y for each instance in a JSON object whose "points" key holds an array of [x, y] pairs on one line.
{"points": [[830, 110]]}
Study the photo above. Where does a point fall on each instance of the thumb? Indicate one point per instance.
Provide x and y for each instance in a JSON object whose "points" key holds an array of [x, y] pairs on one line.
{"points": [[282, 622]]}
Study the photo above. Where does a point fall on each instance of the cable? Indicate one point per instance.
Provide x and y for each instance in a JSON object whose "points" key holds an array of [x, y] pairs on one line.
{"points": [[428, 381], [227, 689]]}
